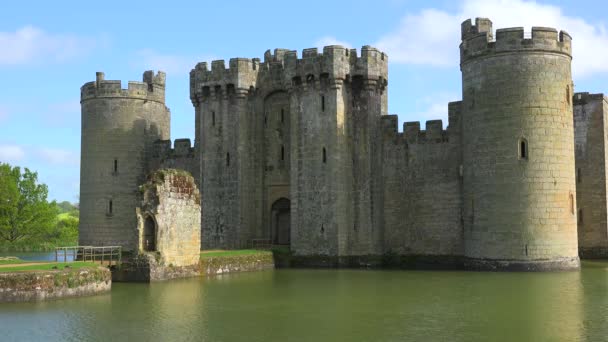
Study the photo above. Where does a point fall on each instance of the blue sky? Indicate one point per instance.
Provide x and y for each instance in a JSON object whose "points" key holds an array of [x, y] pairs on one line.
{"points": [[48, 49]]}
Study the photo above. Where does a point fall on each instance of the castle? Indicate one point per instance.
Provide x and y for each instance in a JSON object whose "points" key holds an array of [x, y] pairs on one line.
{"points": [[302, 152]]}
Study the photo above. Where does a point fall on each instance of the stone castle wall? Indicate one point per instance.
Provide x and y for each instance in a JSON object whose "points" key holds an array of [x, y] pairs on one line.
{"points": [[311, 134], [518, 148], [591, 133], [282, 129], [422, 188], [119, 127], [182, 157]]}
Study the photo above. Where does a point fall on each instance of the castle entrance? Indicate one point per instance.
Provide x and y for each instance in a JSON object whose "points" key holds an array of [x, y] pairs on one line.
{"points": [[149, 234], [281, 222]]}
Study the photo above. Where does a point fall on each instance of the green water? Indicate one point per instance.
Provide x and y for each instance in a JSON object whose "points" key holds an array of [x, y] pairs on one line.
{"points": [[330, 305]]}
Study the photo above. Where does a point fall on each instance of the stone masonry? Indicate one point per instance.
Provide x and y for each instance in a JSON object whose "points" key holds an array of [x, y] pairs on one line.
{"points": [[169, 219], [300, 151]]}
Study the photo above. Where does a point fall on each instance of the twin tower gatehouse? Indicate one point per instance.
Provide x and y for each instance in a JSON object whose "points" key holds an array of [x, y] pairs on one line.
{"points": [[300, 151]]}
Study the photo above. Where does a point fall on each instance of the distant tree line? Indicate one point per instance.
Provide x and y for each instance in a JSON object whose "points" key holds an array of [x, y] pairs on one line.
{"points": [[28, 221]]}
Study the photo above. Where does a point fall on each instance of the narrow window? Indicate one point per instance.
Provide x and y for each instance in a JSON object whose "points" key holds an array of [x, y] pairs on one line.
{"points": [[523, 149], [322, 103], [213, 118], [227, 159], [115, 166], [580, 216], [265, 120], [324, 155], [568, 96], [578, 175], [110, 207], [282, 115], [282, 152], [571, 200]]}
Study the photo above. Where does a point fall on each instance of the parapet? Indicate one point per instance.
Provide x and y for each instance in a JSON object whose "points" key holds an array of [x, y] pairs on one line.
{"points": [[584, 98], [151, 88], [434, 132], [412, 134], [477, 40], [182, 148], [284, 69]]}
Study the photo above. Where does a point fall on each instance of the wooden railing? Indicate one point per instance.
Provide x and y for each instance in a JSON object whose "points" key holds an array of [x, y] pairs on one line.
{"points": [[105, 255]]}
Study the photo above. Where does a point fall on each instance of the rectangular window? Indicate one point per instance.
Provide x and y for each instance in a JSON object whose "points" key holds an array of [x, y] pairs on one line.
{"points": [[322, 103], [110, 208]]}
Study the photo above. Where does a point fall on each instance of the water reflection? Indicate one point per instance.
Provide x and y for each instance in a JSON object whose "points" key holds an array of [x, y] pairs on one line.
{"points": [[331, 305]]}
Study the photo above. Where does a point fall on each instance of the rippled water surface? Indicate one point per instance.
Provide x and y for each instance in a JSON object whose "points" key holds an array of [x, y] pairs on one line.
{"points": [[330, 305]]}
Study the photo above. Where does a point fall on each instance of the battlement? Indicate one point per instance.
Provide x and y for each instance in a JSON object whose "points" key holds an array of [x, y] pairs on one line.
{"points": [[284, 66], [478, 40], [151, 88], [584, 98], [182, 148], [412, 134]]}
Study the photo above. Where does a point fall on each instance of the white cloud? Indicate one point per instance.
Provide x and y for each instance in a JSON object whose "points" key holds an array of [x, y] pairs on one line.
{"points": [[30, 44], [329, 40], [431, 37], [11, 153], [58, 156], [171, 64]]}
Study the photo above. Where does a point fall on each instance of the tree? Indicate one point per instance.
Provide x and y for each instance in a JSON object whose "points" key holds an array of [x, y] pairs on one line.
{"points": [[25, 212]]}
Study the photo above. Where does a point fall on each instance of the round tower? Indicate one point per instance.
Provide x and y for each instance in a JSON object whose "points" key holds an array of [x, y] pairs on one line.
{"points": [[518, 149], [119, 127]]}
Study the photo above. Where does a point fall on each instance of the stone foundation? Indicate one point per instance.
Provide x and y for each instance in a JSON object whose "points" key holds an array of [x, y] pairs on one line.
{"points": [[49, 285], [237, 263], [385, 261], [593, 253], [145, 268], [562, 264]]}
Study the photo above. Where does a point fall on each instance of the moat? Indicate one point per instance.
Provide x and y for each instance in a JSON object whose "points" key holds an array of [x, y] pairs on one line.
{"points": [[331, 305]]}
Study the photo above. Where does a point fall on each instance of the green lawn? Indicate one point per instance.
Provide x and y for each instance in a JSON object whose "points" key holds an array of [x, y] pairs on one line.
{"points": [[235, 252], [10, 262], [49, 266]]}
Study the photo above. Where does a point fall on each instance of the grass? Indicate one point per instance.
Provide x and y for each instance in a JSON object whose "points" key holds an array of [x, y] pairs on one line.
{"points": [[227, 253], [48, 266], [10, 261]]}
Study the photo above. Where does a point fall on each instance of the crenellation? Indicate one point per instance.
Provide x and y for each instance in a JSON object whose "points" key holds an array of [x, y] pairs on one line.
{"points": [[301, 152], [152, 88], [411, 131], [582, 98], [479, 42], [434, 130]]}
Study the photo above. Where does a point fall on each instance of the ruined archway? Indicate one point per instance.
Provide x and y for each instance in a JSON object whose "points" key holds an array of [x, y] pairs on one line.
{"points": [[281, 222], [149, 234]]}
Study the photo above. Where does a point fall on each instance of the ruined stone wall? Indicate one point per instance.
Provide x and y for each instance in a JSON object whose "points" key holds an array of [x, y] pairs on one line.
{"points": [[422, 188], [519, 206], [591, 135], [119, 127], [172, 200]]}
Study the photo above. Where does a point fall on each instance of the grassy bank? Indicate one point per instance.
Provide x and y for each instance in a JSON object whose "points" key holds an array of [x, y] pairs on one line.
{"points": [[20, 265]]}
